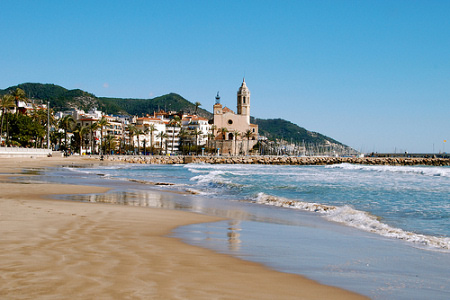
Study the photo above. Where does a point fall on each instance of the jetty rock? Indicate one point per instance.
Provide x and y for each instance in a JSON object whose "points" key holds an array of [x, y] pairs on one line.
{"points": [[279, 160]]}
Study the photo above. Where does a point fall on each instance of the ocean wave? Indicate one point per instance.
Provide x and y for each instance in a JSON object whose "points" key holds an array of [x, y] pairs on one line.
{"points": [[89, 172], [357, 219], [426, 171]]}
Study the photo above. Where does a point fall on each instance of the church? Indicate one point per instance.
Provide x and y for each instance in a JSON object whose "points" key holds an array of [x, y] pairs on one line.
{"points": [[233, 132]]}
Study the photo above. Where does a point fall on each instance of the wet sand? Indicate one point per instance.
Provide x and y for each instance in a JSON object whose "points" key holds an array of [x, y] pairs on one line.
{"points": [[54, 249]]}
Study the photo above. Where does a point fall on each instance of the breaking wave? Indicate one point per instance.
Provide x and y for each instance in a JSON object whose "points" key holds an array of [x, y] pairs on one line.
{"points": [[357, 219], [426, 171]]}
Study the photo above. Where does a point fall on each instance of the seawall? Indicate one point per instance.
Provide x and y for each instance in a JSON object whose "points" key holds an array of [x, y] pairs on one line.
{"points": [[282, 160]]}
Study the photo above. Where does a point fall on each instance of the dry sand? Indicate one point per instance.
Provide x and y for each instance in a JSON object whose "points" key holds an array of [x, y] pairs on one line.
{"points": [[52, 249]]}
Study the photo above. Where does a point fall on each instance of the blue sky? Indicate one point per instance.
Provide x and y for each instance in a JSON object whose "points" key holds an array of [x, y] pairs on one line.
{"points": [[374, 75]]}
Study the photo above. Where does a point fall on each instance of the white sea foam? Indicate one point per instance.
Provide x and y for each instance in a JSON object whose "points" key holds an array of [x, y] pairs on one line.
{"points": [[357, 219], [89, 172], [426, 171], [209, 177]]}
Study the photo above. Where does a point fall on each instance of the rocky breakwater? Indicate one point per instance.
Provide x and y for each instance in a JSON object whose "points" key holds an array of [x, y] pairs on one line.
{"points": [[283, 160]]}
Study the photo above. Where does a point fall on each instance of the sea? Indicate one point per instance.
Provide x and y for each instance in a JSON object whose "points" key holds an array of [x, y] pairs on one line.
{"points": [[381, 231]]}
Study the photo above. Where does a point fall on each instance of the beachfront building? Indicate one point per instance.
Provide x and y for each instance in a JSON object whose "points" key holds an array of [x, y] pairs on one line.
{"points": [[232, 129], [198, 129], [150, 128]]}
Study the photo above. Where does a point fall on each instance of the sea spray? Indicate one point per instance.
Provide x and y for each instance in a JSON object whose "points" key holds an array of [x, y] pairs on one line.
{"points": [[357, 219]]}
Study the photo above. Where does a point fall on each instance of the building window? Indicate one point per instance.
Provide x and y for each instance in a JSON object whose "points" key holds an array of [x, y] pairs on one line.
{"points": [[230, 121], [243, 99]]}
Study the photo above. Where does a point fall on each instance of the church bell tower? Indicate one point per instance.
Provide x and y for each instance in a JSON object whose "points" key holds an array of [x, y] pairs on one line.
{"points": [[243, 101]]}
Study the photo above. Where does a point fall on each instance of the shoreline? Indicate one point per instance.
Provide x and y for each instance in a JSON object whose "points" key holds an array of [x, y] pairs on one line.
{"points": [[62, 249], [281, 160]]}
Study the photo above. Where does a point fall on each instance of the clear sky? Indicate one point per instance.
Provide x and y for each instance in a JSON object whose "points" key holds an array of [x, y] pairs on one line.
{"points": [[374, 75]]}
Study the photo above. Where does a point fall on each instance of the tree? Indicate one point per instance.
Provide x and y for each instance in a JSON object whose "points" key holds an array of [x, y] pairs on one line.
{"points": [[7, 102], [93, 127], [223, 131], [151, 128], [175, 122], [19, 95], [183, 134], [248, 134], [162, 135], [236, 133], [196, 133], [213, 128], [197, 104], [131, 131], [42, 117], [81, 131], [138, 132], [110, 141], [102, 123], [24, 131], [66, 123]]}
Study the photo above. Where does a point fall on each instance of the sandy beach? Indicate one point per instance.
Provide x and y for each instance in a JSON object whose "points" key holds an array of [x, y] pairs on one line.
{"points": [[54, 249]]}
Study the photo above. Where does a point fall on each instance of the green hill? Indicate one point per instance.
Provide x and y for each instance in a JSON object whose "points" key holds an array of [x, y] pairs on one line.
{"points": [[281, 129], [62, 99], [139, 107]]}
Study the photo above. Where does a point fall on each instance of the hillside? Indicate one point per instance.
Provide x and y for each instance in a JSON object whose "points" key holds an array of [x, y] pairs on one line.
{"points": [[61, 99], [139, 107], [281, 129]]}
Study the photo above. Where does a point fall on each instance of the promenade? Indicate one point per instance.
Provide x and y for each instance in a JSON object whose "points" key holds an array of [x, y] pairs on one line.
{"points": [[8, 152]]}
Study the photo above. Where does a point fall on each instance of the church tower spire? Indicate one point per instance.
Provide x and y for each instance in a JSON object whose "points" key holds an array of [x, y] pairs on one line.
{"points": [[243, 101]]}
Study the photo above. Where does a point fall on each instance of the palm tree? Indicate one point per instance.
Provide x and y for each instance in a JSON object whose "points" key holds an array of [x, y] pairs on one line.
{"points": [[102, 123], [162, 135], [19, 95], [81, 131], [223, 131], [138, 132], [175, 122], [110, 140], [212, 135], [196, 133], [213, 128], [40, 116], [151, 128], [182, 134], [7, 101], [93, 127], [248, 134], [236, 133], [210, 138], [197, 104], [67, 122], [131, 131]]}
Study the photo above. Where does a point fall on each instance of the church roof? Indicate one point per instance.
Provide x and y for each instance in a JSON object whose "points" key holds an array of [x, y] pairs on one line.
{"points": [[226, 109]]}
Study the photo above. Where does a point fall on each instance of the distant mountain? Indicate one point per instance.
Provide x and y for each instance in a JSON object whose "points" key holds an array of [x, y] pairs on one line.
{"points": [[61, 99], [139, 107], [284, 130]]}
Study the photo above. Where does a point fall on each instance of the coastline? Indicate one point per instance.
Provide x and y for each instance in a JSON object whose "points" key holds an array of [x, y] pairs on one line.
{"points": [[62, 249], [282, 160]]}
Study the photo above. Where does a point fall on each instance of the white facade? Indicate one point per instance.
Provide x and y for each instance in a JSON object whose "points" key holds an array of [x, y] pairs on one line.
{"points": [[147, 138], [192, 123]]}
